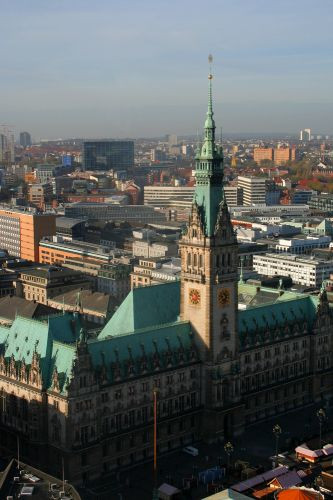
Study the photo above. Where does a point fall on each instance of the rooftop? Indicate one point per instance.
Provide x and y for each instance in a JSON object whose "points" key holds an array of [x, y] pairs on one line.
{"points": [[87, 301], [49, 272], [31, 482], [291, 257], [67, 222]]}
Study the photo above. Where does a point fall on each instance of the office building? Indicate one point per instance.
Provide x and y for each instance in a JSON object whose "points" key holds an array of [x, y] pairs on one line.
{"points": [[25, 139], [108, 154], [302, 270], [21, 231], [165, 196], [277, 211], [80, 255], [322, 202], [302, 196], [86, 398], [302, 245], [254, 190], [233, 196], [305, 135]]}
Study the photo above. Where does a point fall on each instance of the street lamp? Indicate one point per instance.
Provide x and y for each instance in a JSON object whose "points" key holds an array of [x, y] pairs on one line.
{"points": [[277, 432], [228, 448], [155, 492], [321, 417]]}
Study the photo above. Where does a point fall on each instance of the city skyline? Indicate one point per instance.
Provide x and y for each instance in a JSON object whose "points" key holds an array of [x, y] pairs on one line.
{"points": [[136, 70]]}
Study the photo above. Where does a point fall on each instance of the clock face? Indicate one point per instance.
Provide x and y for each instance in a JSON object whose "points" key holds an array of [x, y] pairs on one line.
{"points": [[223, 297], [194, 296]]}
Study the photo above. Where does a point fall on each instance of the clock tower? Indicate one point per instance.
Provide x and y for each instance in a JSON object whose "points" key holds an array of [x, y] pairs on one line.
{"points": [[209, 277]]}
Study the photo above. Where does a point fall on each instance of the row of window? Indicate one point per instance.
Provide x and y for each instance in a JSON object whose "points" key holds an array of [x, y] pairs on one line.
{"points": [[267, 354], [273, 376], [148, 386]]}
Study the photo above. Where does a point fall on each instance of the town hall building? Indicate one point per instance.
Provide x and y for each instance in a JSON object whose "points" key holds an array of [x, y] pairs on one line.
{"points": [[85, 399]]}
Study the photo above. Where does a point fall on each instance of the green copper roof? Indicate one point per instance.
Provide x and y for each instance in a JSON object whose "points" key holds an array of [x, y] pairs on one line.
{"points": [[263, 319], [145, 342], [250, 296], [53, 339], [145, 307], [209, 173]]}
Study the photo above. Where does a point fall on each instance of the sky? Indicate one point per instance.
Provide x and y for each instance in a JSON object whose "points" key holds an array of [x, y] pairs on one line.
{"points": [[138, 68]]}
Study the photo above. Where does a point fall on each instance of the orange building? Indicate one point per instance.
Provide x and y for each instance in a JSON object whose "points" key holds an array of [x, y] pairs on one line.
{"points": [[76, 255], [261, 154], [30, 177], [282, 155], [21, 231]]}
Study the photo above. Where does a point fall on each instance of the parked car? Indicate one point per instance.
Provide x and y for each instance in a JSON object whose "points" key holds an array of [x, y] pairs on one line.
{"points": [[191, 451]]}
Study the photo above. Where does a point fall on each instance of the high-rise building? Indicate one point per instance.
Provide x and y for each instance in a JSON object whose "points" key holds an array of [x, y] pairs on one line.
{"points": [[25, 139], [108, 154], [172, 140], [21, 231], [6, 144], [305, 135], [254, 190]]}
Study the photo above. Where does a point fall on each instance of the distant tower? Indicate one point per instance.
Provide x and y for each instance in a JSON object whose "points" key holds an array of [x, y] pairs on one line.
{"points": [[8, 153], [305, 135], [209, 279], [25, 139]]}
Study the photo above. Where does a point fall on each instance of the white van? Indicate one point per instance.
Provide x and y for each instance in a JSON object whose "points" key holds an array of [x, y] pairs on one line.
{"points": [[191, 451]]}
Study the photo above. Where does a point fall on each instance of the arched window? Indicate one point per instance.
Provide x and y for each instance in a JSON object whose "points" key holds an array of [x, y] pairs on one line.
{"points": [[13, 405], [223, 260], [200, 260], [195, 263], [188, 259], [229, 259], [24, 407]]}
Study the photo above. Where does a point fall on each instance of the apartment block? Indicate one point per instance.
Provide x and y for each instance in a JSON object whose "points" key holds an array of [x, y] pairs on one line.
{"points": [[262, 154]]}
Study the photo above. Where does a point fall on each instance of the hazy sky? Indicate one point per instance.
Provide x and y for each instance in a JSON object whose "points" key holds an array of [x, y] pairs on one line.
{"points": [[117, 68]]}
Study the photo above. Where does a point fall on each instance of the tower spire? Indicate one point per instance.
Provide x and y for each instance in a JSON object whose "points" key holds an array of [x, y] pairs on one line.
{"points": [[209, 168]]}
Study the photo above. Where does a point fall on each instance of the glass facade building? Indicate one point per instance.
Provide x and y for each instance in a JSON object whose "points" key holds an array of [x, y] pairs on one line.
{"points": [[108, 154]]}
